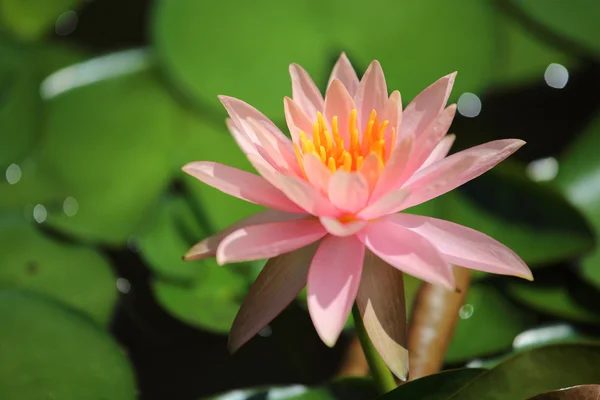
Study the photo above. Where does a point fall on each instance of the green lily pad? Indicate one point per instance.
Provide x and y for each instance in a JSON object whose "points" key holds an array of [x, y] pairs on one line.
{"points": [[167, 237], [74, 275], [210, 302], [31, 19], [108, 140], [51, 352], [342, 389], [437, 386], [521, 376], [251, 63], [578, 178], [556, 299], [487, 324], [574, 20]]}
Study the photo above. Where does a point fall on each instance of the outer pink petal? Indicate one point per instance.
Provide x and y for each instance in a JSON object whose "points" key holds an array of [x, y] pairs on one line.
{"points": [[276, 150], [337, 228], [392, 112], [241, 184], [371, 94], [390, 179], [407, 251], [304, 91], [240, 111], [386, 204], [242, 139], [333, 280], [429, 139], [339, 103], [381, 303], [297, 120], [426, 106], [343, 71], [440, 151], [317, 173], [208, 247], [278, 284], [464, 246], [348, 191], [458, 169], [256, 242]]}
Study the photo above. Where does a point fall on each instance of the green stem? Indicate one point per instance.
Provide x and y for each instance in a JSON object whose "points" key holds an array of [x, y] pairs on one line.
{"points": [[384, 380]]}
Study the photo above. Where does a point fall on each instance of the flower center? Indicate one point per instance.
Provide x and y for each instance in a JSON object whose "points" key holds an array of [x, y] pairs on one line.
{"points": [[334, 153]]}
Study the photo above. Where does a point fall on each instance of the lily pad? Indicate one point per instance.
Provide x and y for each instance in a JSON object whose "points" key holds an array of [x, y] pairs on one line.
{"points": [[108, 142], [435, 387], [77, 276], [250, 62], [52, 352], [487, 324], [31, 19]]}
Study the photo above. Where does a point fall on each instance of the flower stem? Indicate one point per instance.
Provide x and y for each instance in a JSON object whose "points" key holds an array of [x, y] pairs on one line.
{"points": [[384, 380]]}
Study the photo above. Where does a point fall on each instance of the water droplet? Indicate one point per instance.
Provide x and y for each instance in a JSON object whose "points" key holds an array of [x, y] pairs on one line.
{"points": [[544, 169], [469, 105], [556, 76], [13, 174], [70, 206], [123, 285], [266, 331], [466, 311], [39, 213], [66, 23]]}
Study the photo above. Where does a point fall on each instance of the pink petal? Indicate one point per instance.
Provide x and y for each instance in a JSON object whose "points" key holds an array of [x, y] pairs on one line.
{"points": [[297, 120], [337, 228], [317, 173], [276, 150], [386, 204], [242, 139], [458, 169], [256, 242], [407, 251], [391, 176], [371, 170], [241, 184], [348, 191], [278, 284], [344, 72], [306, 196], [429, 139], [440, 151], [333, 280], [208, 247], [304, 91], [371, 93], [464, 246], [392, 112], [426, 106], [240, 111], [339, 103], [380, 300]]}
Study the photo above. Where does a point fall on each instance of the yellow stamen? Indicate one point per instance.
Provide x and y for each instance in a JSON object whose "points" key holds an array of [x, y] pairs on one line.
{"points": [[331, 164]]}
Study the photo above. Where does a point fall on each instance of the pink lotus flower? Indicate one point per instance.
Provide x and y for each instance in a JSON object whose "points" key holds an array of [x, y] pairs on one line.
{"points": [[338, 190]]}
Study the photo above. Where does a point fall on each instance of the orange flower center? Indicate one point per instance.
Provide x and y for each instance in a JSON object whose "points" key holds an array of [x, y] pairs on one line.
{"points": [[334, 153]]}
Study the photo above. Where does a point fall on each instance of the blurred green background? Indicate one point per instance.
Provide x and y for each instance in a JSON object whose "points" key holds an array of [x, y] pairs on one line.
{"points": [[102, 102]]}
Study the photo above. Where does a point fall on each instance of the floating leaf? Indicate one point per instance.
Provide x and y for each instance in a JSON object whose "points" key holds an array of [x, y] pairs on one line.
{"points": [[75, 275], [580, 392], [51, 352], [32, 18], [250, 62], [488, 324], [108, 142], [435, 387]]}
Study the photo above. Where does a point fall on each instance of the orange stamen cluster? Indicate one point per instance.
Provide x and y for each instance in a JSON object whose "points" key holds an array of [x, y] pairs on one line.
{"points": [[334, 153]]}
